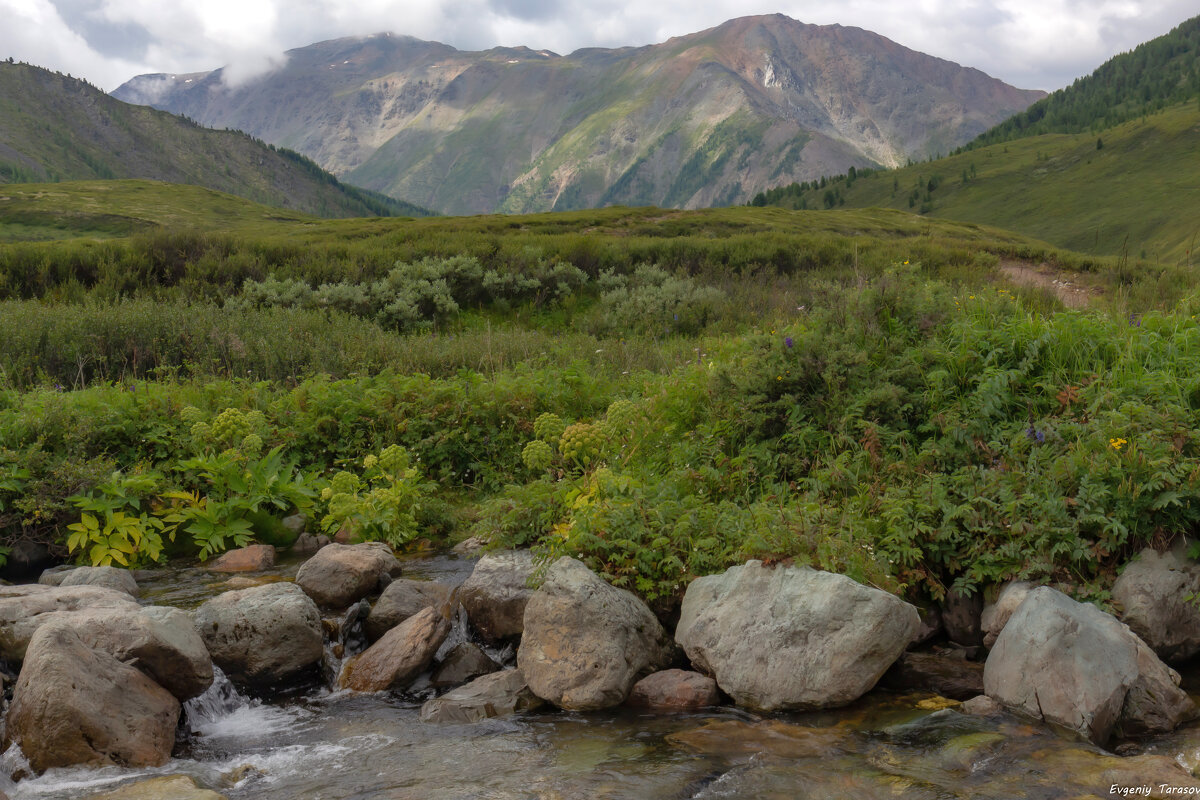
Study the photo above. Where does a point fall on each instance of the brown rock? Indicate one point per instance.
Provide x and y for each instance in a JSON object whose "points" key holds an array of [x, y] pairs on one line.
{"points": [[734, 739], [401, 655], [674, 690], [947, 676], [402, 599], [981, 706], [255, 558], [490, 696], [341, 574], [75, 705]]}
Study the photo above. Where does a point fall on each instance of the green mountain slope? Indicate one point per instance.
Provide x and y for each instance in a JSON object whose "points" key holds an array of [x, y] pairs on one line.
{"points": [[1155, 75], [1134, 189], [54, 127], [696, 121]]}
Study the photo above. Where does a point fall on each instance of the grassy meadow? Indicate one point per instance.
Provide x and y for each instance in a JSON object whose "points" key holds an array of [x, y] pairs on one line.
{"points": [[661, 393]]}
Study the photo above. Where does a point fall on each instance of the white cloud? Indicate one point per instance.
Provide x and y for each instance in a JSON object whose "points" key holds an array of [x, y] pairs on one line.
{"points": [[1031, 43]]}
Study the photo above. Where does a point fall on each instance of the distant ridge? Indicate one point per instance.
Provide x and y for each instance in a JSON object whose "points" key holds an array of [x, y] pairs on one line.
{"points": [[699, 120], [54, 127]]}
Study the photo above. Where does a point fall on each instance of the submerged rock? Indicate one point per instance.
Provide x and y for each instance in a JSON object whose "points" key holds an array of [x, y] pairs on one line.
{"points": [[738, 740], [341, 574], [493, 695], [585, 642], [1073, 665], [76, 705], [496, 593], [401, 655], [402, 599], [1154, 595], [792, 637], [167, 787], [674, 690], [261, 636]]}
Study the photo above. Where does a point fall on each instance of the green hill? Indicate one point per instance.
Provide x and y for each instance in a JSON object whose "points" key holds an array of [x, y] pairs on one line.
{"points": [[57, 128], [1133, 189], [1155, 75]]}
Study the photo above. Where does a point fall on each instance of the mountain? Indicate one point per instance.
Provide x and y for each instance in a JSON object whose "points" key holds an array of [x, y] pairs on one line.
{"points": [[1130, 189], [699, 120], [55, 128]]}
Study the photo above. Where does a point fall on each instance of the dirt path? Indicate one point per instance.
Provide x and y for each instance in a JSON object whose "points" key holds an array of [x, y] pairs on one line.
{"points": [[1066, 286]]}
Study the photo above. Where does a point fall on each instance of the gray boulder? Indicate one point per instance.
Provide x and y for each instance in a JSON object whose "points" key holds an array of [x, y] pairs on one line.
{"points": [[996, 615], [341, 574], [401, 655], [674, 690], [402, 599], [1073, 665], [493, 695], [108, 577], [1153, 593], [585, 642], [75, 705], [464, 662], [24, 609], [496, 593], [263, 635], [792, 637]]}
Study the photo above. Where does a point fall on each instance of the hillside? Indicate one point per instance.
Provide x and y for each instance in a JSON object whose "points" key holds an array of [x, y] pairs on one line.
{"points": [[1135, 194], [696, 121], [56, 128], [1155, 75]]}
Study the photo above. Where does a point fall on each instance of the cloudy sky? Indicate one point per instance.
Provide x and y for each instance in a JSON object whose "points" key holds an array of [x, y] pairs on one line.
{"points": [[1042, 44]]}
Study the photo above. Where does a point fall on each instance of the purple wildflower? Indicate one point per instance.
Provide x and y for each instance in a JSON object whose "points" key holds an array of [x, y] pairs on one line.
{"points": [[787, 341]]}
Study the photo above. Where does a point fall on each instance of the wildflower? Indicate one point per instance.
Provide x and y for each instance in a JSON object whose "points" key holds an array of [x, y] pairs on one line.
{"points": [[1035, 435], [787, 341], [1118, 443], [1135, 321]]}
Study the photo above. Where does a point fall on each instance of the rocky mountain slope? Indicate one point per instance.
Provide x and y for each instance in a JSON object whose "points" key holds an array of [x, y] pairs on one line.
{"points": [[56, 128], [699, 120]]}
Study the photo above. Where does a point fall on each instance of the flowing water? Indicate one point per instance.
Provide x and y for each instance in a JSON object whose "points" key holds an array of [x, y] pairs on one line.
{"points": [[329, 745]]}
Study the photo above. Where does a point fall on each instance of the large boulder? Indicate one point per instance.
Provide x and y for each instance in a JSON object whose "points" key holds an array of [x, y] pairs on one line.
{"points": [[1073, 665], [402, 599], [75, 705], [996, 615], [341, 574], [792, 637], [109, 577], [492, 695], [465, 662], [263, 635], [1155, 596], [496, 593], [401, 655], [585, 642], [24, 609]]}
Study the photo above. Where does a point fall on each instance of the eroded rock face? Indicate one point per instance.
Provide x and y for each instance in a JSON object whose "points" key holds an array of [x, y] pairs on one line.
{"points": [[493, 695], [255, 558], [674, 690], [75, 705], [402, 599], [496, 594], [1071, 664], [261, 636], [585, 642], [341, 574], [401, 655], [792, 637], [109, 577], [1153, 594]]}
